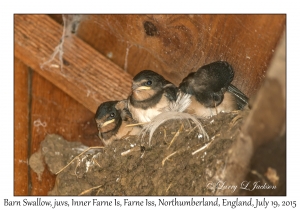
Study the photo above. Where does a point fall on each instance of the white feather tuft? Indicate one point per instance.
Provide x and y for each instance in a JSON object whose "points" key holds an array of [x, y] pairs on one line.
{"points": [[181, 104], [170, 115]]}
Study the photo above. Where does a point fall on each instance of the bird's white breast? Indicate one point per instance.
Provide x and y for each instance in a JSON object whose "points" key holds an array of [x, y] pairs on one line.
{"points": [[146, 115]]}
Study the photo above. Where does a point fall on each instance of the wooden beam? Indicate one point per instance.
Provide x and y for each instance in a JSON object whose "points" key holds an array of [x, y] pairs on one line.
{"points": [[265, 123], [21, 134], [86, 75]]}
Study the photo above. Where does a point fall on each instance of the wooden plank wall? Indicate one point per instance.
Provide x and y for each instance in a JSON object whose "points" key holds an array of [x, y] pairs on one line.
{"points": [[21, 128], [40, 109], [175, 45], [172, 45]]}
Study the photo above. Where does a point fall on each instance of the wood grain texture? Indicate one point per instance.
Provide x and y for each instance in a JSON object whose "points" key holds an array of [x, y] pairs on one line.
{"points": [[87, 76], [41, 108], [21, 123], [53, 111], [175, 45]]}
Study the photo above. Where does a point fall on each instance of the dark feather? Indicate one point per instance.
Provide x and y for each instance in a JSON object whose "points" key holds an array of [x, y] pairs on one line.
{"points": [[215, 76], [171, 92], [241, 98], [209, 83]]}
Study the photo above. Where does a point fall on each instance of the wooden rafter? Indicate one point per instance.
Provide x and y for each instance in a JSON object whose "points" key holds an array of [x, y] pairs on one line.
{"points": [[87, 76]]}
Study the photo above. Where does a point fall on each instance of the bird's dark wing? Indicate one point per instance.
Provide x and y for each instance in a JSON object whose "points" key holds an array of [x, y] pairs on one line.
{"points": [[211, 81], [241, 98], [171, 91], [215, 76]]}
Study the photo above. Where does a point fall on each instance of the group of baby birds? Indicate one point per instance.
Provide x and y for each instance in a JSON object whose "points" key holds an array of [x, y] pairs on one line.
{"points": [[203, 93]]}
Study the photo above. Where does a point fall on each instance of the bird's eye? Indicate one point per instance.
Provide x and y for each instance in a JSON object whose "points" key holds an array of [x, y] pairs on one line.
{"points": [[112, 114], [148, 83]]}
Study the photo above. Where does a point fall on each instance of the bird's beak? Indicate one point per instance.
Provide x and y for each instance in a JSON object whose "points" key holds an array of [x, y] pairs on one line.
{"points": [[136, 87], [143, 88], [106, 123]]}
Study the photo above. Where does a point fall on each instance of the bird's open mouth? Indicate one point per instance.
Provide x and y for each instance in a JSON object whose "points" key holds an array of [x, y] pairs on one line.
{"points": [[106, 123]]}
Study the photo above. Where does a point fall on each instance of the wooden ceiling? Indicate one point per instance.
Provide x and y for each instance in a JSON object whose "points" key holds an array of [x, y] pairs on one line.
{"points": [[175, 45]]}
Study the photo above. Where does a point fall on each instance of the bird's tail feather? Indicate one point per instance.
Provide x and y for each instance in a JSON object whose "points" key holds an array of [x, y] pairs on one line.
{"points": [[242, 99]]}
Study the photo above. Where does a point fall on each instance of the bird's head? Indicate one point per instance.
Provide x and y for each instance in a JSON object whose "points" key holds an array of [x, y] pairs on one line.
{"points": [[107, 117], [146, 84]]}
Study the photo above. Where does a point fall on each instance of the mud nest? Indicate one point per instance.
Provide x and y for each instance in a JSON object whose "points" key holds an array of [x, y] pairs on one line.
{"points": [[177, 161]]}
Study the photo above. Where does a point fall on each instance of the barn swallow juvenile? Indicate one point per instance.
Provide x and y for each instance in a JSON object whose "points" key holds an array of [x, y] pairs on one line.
{"points": [[151, 95], [211, 91], [111, 118]]}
